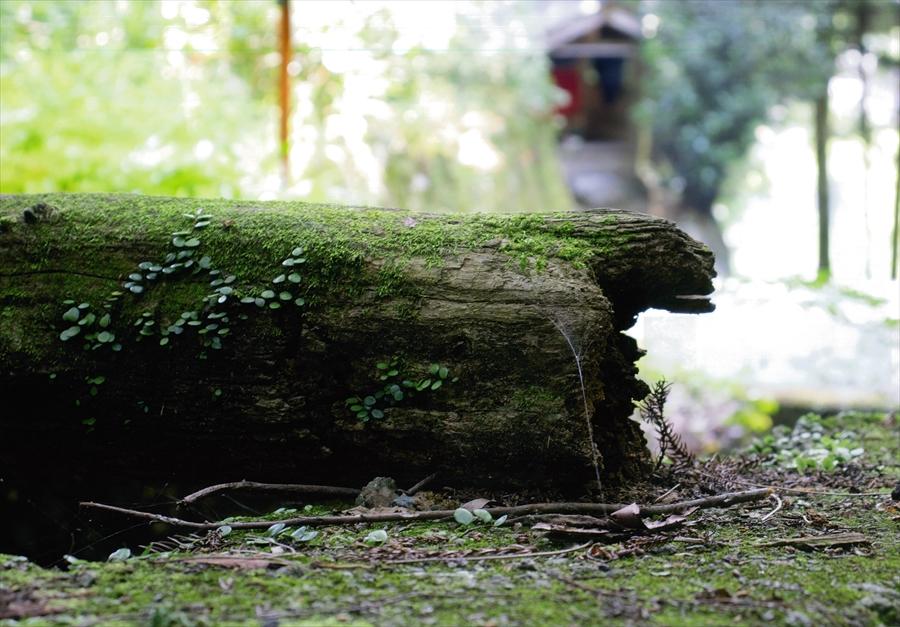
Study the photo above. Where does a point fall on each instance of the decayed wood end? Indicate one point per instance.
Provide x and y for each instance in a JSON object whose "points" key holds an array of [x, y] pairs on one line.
{"points": [[488, 297]]}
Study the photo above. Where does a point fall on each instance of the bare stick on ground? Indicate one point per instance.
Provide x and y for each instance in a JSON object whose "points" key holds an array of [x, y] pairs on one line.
{"points": [[424, 482], [719, 500], [455, 558], [778, 505], [278, 488], [787, 490]]}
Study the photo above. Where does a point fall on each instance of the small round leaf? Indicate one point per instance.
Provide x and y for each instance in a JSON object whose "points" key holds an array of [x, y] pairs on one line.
{"points": [[376, 537], [69, 333]]}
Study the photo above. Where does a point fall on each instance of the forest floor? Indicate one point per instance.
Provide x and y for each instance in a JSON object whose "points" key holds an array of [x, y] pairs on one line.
{"points": [[823, 549]]}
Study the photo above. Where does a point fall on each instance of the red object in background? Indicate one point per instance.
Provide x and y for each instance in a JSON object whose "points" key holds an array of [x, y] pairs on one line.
{"points": [[569, 79]]}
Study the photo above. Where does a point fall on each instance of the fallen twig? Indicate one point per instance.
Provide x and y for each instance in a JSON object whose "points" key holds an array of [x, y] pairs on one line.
{"points": [[778, 505], [424, 482], [573, 520], [842, 539], [453, 558], [810, 491], [282, 488], [667, 493], [719, 500]]}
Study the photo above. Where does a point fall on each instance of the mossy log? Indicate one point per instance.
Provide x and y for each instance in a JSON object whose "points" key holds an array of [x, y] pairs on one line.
{"points": [[493, 300]]}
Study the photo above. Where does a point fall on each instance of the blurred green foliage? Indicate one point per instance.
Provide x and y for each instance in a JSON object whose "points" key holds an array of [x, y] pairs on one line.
{"points": [[179, 98], [80, 116], [713, 71], [813, 443]]}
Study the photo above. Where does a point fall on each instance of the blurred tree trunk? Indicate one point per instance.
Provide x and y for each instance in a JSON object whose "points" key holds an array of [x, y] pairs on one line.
{"points": [[821, 138], [895, 242], [696, 219], [863, 19]]}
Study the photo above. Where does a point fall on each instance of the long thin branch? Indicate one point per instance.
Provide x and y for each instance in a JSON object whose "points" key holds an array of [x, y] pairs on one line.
{"points": [[778, 505], [720, 500], [280, 488], [453, 558], [780, 488], [424, 482]]}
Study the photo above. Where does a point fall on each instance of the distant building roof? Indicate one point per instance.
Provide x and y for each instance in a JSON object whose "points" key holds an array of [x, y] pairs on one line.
{"points": [[567, 22]]}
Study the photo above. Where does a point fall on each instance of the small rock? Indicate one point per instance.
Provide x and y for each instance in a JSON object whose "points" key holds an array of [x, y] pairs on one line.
{"points": [[404, 500], [379, 492]]}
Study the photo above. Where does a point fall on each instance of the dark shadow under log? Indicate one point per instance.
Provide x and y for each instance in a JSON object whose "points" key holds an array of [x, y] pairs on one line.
{"points": [[482, 297]]}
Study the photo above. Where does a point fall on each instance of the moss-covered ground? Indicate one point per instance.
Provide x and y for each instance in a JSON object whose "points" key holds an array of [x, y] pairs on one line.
{"points": [[712, 570]]}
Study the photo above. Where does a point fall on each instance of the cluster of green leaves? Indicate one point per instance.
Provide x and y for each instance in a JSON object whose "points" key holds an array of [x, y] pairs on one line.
{"points": [[300, 534], [211, 320], [466, 517], [397, 388], [95, 325], [212, 317], [270, 296], [808, 446]]}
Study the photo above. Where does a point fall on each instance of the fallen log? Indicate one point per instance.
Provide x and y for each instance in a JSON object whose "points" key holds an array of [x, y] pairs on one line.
{"points": [[212, 339]]}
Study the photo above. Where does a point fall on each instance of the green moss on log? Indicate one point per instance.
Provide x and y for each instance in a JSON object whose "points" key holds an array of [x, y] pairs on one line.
{"points": [[92, 241], [486, 295]]}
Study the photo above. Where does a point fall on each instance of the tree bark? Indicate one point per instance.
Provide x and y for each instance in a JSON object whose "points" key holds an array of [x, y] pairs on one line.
{"points": [[482, 296]]}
